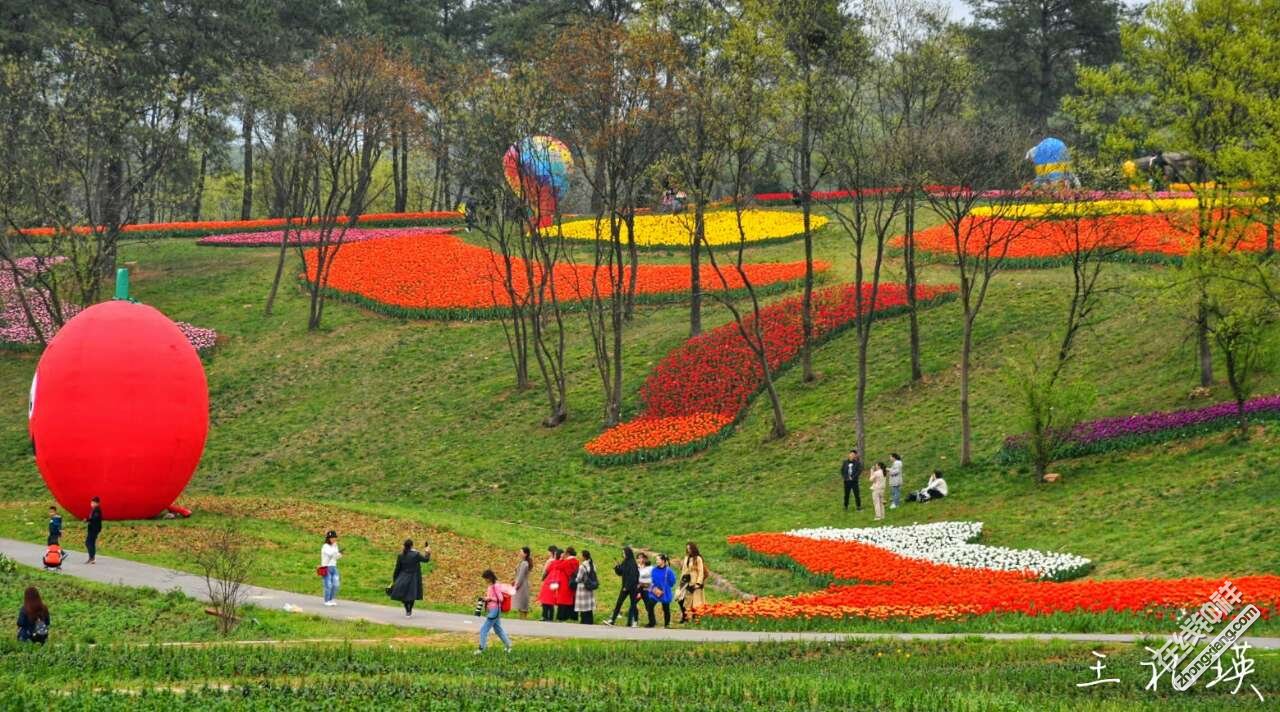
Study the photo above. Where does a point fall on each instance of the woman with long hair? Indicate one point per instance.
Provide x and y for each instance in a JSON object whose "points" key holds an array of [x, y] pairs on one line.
{"points": [[33, 618], [629, 572], [693, 577], [406, 582], [521, 583], [584, 596]]}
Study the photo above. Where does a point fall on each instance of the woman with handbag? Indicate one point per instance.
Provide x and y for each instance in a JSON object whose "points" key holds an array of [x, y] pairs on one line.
{"points": [[584, 596], [406, 581], [661, 590], [328, 569], [493, 605], [553, 579], [693, 578]]}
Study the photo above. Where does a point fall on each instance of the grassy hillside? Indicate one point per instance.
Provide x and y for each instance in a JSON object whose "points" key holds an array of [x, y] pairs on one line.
{"points": [[419, 420]]}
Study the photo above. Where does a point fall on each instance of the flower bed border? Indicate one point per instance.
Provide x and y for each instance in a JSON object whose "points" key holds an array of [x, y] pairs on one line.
{"points": [[491, 313], [222, 227], [733, 245], [653, 454], [1012, 452]]}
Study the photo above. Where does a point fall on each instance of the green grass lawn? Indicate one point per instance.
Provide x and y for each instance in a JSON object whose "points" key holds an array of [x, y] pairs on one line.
{"points": [[83, 612], [419, 421], [959, 676]]}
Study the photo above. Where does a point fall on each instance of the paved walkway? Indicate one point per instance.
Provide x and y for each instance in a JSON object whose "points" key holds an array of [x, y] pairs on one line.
{"points": [[123, 572]]}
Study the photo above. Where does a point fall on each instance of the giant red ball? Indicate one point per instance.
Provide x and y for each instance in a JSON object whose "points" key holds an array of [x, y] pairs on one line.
{"points": [[119, 410]]}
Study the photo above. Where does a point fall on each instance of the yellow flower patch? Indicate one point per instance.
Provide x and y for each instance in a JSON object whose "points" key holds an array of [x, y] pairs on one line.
{"points": [[667, 230]]}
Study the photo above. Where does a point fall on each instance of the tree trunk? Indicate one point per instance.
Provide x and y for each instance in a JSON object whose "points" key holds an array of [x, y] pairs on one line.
{"points": [[633, 258], [400, 171], [695, 269], [275, 281], [197, 201], [966, 348], [246, 135], [860, 399], [1204, 350], [909, 263], [279, 193]]}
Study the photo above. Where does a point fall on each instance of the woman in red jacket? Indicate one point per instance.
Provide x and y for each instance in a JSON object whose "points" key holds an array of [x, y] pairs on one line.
{"points": [[568, 567], [553, 580]]}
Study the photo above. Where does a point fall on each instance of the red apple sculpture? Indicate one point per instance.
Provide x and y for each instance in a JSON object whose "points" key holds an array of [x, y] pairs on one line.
{"points": [[119, 410]]}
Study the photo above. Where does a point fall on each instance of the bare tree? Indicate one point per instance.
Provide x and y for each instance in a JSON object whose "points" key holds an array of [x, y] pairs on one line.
{"points": [[1052, 404], [225, 559], [858, 149], [508, 112], [741, 133], [352, 99], [820, 42], [975, 157], [925, 76], [610, 81]]}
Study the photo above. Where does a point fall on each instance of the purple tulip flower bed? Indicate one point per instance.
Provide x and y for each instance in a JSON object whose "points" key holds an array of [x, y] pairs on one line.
{"points": [[271, 238], [1108, 434], [16, 330]]}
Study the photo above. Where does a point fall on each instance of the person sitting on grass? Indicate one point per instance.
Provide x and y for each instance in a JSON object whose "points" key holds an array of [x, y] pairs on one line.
{"points": [[33, 618], [936, 489]]}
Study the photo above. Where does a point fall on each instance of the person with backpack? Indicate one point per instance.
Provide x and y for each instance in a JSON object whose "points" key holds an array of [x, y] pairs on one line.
{"points": [[497, 598], [54, 556], [33, 618], [406, 580], [55, 526], [629, 572], [661, 590], [584, 596], [94, 529], [692, 579]]}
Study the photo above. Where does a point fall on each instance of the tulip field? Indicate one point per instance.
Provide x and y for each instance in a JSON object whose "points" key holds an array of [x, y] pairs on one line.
{"points": [[438, 276], [407, 391], [667, 230]]}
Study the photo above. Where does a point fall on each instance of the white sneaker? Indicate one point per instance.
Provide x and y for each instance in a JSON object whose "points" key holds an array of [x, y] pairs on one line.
{"points": [[893, 506], [478, 652], [508, 650], [330, 603]]}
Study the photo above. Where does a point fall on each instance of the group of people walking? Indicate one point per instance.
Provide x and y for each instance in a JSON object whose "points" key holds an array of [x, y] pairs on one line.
{"points": [[567, 591], [881, 477], [570, 580]]}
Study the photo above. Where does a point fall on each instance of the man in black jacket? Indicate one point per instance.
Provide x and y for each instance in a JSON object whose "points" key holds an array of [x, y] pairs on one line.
{"points": [[94, 528], [850, 471]]}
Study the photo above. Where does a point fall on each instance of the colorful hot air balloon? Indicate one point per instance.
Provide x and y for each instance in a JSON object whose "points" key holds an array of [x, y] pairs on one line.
{"points": [[119, 410], [1052, 163], [537, 169]]}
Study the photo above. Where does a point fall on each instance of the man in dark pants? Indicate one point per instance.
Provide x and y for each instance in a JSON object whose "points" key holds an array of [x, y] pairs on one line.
{"points": [[95, 528], [850, 471]]}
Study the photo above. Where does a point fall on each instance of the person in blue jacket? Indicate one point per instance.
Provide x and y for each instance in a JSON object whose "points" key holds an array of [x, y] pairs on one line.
{"points": [[662, 590]]}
